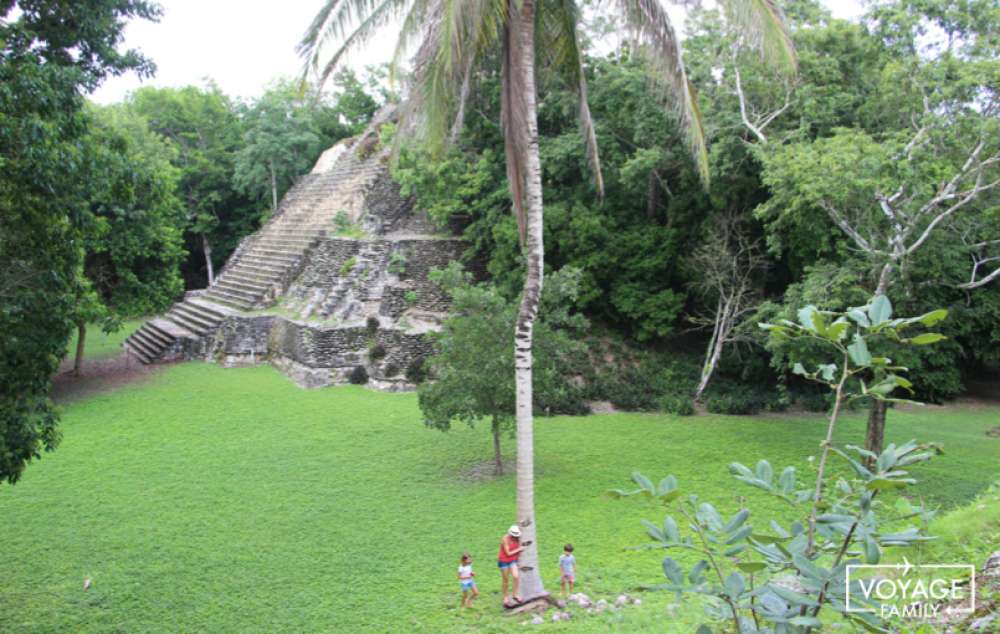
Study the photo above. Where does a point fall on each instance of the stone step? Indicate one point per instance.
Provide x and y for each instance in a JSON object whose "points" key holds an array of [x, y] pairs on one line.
{"points": [[193, 322], [285, 242], [295, 231], [207, 307], [203, 314], [142, 347], [293, 228], [277, 263], [226, 298], [245, 277], [273, 252], [135, 351], [178, 331], [161, 338], [145, 336], [232, 289], [257, 268], [253, 287], [140, 341]]}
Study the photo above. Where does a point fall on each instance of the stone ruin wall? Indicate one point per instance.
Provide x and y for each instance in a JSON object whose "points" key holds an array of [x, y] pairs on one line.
{"points": [[406, 305]]}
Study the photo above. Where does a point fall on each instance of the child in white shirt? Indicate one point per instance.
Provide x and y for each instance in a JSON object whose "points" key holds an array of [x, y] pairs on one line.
{"points": [[465, 579]]}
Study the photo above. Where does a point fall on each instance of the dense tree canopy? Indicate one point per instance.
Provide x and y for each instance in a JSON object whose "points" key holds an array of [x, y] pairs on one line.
{"points": [[206, 132], [51, 54], [131, 234], [779, 151]]}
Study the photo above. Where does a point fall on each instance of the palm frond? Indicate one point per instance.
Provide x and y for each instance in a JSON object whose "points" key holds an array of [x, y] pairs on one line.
{"points": [[459, 32], [414, 28], [353, 22], [653, 30], [560, 45], [762, 27], [513, 120]]}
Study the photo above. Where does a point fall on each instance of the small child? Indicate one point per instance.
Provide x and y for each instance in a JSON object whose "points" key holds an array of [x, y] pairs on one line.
{"points": [[465, 578], [567, 566]]}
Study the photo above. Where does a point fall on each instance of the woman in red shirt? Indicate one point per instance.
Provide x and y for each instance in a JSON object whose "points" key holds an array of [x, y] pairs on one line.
{"points": [[510, 550]]}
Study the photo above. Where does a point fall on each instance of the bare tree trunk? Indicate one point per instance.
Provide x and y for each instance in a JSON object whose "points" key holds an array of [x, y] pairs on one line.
{"points": [[207, 248], [875, 430], [522, 109], [652, 195], [274, 188], [81, 337], [497, 456], [714, 350], [875, 433]]}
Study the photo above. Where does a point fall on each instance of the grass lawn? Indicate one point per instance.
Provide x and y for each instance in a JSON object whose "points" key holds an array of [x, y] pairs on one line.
{"points": [[101, 345], [213, 500]]}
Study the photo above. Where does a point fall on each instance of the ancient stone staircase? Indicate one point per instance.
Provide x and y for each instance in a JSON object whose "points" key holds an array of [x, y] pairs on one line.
{"points": [[265, 263], [189, 319]]}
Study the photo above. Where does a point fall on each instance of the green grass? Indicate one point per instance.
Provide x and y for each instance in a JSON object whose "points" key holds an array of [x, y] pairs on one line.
{"points": [[215, 500], [968, 534], [101, 345]]}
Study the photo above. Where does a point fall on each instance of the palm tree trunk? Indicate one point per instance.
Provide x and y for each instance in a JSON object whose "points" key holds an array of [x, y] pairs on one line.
{"points": [[521, 93], [81, 338]]}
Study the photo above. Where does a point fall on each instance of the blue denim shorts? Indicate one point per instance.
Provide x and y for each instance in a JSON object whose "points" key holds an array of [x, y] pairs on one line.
{"points": [[505, 564], [468, 584]]}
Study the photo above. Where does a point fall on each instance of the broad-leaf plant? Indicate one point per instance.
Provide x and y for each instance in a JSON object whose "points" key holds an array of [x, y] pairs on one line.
{"points": [[770, 576]]}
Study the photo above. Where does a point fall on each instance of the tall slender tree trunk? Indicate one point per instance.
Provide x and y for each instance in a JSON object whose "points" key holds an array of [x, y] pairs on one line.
{"points": [[714, 351], [497, 456], [875, 431], [81, 338], [274, 188], [521, 112], [206, 247]]}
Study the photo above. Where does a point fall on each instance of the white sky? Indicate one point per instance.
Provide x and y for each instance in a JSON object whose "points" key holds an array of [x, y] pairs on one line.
{"points": [[243, 45]]}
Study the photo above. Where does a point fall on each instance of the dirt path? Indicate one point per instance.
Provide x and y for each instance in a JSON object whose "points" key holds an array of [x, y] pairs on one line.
{"points": [[99, 375]]}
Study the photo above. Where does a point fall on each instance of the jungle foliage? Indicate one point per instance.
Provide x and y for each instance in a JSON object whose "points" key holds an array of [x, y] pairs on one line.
{"points": [[796, 147]]}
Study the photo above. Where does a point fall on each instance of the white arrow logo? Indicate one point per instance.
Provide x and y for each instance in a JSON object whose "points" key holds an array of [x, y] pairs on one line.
{"points": [[906, 566]]}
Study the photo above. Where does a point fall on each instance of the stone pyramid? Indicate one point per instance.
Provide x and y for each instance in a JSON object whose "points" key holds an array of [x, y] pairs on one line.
{"points": [[336, 279]]}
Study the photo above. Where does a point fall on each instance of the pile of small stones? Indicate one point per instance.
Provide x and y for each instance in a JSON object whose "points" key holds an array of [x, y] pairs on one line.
{"points": [[585, 602]]}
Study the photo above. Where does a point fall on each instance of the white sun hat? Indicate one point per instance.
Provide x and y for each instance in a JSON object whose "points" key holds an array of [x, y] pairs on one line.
{"points": [[515, 531]]}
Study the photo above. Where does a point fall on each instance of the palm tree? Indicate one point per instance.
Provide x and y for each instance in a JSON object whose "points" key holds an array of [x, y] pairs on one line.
{"points": [[453, 36]]}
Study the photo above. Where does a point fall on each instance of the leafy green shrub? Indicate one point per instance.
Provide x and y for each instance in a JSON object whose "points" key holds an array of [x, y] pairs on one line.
{"points": [[348, 265], [735, 399], [559, 397], [397, 263], [415, 371], [341, 221], [410, 297], [632, 389], [344, 227], [637, 379], [813, 401], [676, 404], [358, 376], [376, 352]]}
